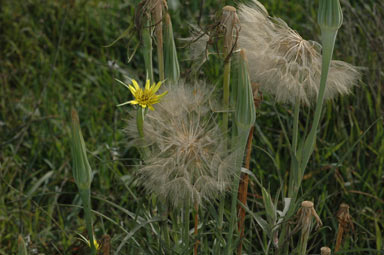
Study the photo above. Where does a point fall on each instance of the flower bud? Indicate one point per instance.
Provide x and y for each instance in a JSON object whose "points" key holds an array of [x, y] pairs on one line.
{"points": [[330, 15], [245, 113], [81, 169]]}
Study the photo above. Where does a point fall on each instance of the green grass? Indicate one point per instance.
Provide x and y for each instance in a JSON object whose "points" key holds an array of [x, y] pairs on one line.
{"points": [[52, 57]]}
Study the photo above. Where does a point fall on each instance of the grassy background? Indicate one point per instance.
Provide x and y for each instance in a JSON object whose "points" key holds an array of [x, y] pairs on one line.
{"points": [[52, 57]]}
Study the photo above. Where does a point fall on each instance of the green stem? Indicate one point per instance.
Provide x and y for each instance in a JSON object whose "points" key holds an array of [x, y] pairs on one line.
{"points": [[232, 223], [227, 73], [147, 43], [85, 195], [140, 121], [294, 167], [163, 209], [296, 115], [186, 224], [328, 39]]}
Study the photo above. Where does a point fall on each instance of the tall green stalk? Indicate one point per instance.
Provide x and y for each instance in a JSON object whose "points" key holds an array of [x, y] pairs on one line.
{"points": [[229, 19], [330, 18]]}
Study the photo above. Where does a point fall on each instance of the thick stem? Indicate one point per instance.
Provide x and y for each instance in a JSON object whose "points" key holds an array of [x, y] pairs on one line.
{"points": [[227, 72], [140, 121], [85, 195]]}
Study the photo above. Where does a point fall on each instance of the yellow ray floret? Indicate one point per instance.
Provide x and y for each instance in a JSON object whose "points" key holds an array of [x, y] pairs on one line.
{"points": [[144, 97]]}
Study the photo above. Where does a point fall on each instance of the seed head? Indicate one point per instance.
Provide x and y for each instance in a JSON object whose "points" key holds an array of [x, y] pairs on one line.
{"points": [[286, 65], [187, 159]]}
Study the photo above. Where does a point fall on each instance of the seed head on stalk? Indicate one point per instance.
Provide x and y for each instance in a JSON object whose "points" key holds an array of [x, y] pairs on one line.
{"points": [[286, 65]]}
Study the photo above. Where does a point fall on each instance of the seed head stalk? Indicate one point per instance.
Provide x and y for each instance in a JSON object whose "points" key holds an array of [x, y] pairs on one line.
{"points": [[330, 18], [328, 40], [229, 21]]}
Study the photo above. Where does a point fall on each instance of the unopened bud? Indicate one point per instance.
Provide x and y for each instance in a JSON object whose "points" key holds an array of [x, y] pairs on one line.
{"points": [[81, 169], [330, 15]]}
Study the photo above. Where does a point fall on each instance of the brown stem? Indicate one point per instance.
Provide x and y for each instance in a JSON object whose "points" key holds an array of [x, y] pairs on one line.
{"points": [[339, 238], [243, 191], [106, 250], [243, 186], [196, 206]]}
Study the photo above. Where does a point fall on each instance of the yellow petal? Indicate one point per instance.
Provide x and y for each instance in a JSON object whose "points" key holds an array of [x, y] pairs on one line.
{"points": [[132, 89], [151, 107], [156, 87], [162, 94], [147, 85], [135, 84]]}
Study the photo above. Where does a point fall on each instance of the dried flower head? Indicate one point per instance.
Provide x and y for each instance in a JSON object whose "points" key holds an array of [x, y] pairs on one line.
{"points": [[305, 214], [304, 223], [345, 224], [325, 250], [226, 27], [187, 159], [286, 65]]}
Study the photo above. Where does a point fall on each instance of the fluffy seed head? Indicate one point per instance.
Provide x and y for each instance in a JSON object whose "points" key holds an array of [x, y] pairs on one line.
{"points": [[187, 159], [286, 65]]}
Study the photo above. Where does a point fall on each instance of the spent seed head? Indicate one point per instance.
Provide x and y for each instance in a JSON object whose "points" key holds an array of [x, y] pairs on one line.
{"points": [[286, 65], [187, 159]]}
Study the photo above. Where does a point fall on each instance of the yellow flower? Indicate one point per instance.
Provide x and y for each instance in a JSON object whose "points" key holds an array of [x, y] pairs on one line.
{"points": [[97, 245], [144, 97], [85, 240]]}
